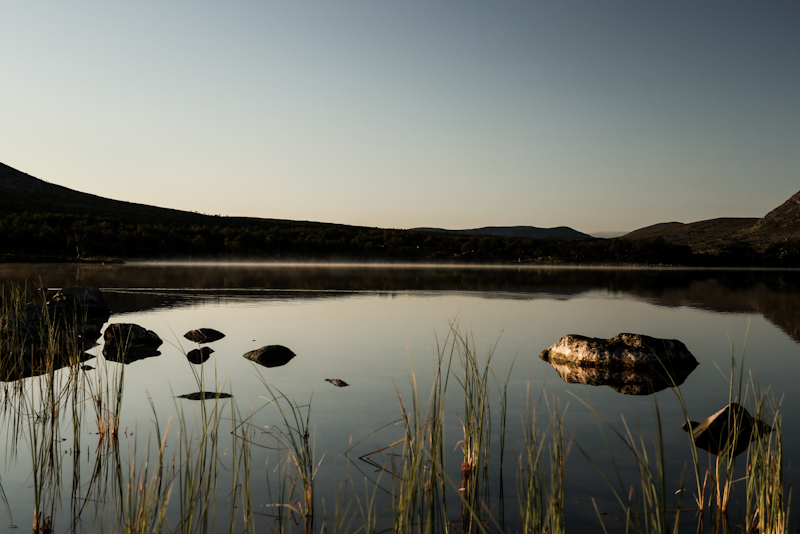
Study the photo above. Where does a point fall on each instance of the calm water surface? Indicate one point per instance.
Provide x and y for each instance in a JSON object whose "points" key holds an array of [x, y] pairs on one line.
{"points": [[371, 325]]}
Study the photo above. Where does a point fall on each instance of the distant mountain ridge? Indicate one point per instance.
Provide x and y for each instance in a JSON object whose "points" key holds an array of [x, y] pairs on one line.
{"points": [[559, 232]]}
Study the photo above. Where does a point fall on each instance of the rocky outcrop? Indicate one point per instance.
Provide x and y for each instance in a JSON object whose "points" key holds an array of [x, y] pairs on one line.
{"points": [[126, 343], [626, 380], [204, 335], [729, 431], [271, 355], [622, 350]]}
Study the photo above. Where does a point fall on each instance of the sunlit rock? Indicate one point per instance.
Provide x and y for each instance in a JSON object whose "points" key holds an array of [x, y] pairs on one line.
{"points": [[198, 356], [729, 431], [622, 350], [626, 380], [337, 382], [271, 355], [204, 335]]}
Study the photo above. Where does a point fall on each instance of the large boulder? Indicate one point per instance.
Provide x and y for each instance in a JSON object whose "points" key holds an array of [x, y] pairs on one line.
{"points": [[271, 355], [729, 431], [622, 350], [203, 335]]}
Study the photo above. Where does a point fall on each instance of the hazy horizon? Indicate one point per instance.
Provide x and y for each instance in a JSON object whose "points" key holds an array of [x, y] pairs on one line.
{"points": [[601, 117]]}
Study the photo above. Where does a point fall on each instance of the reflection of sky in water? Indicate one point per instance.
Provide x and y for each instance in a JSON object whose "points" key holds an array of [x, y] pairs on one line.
{"points": [[371, 339]]}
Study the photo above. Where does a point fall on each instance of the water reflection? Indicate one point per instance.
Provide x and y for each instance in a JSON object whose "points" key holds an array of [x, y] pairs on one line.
{"points": [[775, 294], [628, 381]]}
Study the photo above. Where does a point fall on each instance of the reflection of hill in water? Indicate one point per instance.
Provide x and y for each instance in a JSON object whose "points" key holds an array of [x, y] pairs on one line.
{"points": [[774, 294]]}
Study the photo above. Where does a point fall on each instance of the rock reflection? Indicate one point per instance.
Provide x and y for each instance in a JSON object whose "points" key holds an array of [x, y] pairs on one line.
{"points": [[628, 381]]}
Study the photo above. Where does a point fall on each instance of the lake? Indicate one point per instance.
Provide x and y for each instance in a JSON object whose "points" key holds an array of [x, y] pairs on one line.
{"points": [[380, 329]]}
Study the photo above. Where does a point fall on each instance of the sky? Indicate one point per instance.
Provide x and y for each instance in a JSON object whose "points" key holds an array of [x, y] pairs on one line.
{"points": [[598, 115]]}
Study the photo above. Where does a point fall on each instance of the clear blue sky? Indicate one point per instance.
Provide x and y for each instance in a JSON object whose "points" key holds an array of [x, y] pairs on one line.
{"points": [[599, 115]]}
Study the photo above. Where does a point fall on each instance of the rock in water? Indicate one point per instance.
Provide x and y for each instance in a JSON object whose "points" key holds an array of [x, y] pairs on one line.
{"points": [[130, 334], [126, 343], [336, 382], [622, 350], [271, 355], [730, 430], [198, 356], [204, 335], [205, 395]]}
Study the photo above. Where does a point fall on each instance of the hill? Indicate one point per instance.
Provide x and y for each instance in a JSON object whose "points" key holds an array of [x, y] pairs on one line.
{"points": [[559, 232], [781, 224], [779, 228], [21, 192]]}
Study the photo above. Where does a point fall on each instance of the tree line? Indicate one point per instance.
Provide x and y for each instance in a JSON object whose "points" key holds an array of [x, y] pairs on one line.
{"points": [[68, 236]]}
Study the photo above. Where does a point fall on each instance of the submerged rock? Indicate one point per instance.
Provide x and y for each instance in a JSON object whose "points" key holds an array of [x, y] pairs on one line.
{"points": [[729, 430], [122, 334], [204, 335], [626, 380], [198, 356], [205, 395], [622, 350], [271, 355], [336, 382]]}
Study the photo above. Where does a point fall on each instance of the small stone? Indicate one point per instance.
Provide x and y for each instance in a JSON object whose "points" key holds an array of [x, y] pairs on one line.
{"points": [[271, 355], [204, 335], [198, 356]]}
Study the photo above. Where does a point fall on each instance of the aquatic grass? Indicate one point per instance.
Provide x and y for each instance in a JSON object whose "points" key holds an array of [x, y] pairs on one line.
{"points": [[648, 511], [294, 437], [766, 501], [540, 487]]}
